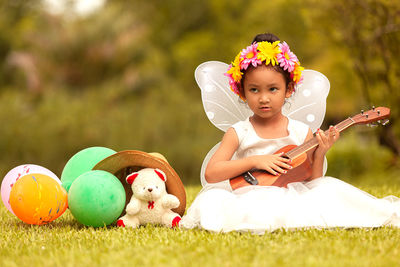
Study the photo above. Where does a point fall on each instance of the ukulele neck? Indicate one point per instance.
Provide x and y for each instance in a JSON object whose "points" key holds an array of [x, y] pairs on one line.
{"points": [[312, 143]]}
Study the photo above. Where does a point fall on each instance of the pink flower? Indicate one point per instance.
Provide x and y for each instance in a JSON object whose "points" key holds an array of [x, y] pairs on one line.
{"points": [[286, 58], [234, 87], [249, 56], [231, 80]]}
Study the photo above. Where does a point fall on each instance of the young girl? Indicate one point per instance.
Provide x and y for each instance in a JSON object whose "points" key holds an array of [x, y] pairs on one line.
{"points": [[264, 78]]}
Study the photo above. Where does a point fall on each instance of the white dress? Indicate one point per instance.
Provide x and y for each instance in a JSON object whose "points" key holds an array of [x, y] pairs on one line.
{"points": [[325, 202]]}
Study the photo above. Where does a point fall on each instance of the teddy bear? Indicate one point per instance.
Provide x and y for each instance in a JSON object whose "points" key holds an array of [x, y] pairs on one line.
{"points": [[150, 202]]}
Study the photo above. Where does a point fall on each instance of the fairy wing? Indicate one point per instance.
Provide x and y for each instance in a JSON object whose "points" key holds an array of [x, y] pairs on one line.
{"points": [[308, 103], [224, 108]]}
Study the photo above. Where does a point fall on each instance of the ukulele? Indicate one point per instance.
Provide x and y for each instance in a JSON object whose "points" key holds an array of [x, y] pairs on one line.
{"points": [[300, 155]]}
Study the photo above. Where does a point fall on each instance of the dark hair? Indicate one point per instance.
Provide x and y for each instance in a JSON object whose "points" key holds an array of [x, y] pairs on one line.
{"points": [[267, 37]]}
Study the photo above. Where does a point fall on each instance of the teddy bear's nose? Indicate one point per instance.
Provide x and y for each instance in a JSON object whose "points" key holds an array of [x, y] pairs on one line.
{"points": [[150, 189]]}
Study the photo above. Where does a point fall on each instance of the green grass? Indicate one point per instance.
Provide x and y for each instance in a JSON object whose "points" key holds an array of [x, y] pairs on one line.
{"points": [[65, 242]]}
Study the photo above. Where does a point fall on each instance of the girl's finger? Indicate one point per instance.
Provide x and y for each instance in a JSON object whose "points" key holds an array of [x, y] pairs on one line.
{"points": [[323, 135], [279, 170], [320, 137], [326, 138], [282, 159], [279, 158], [284, 165], [271, 171], [337, 134], [332, 132], [276, 169]]}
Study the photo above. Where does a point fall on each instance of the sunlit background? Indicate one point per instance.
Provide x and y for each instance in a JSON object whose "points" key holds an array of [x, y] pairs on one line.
{"points": [[119, 74], [80, 7]]}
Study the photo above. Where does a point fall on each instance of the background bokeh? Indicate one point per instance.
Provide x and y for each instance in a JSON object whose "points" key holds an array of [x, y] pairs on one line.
{"points": [[119, 74]]}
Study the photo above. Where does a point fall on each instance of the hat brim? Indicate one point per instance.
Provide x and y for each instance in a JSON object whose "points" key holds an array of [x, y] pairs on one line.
{"points": [[122, 163]]}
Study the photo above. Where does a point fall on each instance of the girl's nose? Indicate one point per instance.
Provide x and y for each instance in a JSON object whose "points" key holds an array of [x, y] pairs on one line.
{"points": [[264, 98]]}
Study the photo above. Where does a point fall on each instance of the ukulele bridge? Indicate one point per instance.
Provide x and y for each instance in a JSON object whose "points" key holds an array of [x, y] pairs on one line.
{"points": [[248, 177]]}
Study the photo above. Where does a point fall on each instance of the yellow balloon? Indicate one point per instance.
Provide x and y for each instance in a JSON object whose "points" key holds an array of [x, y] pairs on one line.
{"points": [[38, 199]]}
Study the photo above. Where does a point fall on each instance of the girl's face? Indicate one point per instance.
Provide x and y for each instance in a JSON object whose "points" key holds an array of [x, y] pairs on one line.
{"points": [[265, 91]]}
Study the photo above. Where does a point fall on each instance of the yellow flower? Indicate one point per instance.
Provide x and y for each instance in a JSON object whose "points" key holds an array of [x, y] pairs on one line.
{"points": [[236, 62], [235, 73], [268, 52], [297, 73]]}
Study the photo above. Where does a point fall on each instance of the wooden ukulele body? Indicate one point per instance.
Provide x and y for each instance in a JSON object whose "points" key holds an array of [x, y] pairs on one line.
{"points": [[301, 170]]}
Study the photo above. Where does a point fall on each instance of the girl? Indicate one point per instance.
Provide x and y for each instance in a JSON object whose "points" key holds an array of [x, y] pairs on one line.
{"points": [[264, 75]]}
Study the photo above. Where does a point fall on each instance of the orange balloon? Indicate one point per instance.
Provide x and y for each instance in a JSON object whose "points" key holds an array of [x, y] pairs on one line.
{"points": [[38, 199]]}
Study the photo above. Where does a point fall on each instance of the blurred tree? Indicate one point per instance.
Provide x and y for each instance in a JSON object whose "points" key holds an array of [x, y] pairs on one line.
{"points": [[370, 32], [17, 19]]}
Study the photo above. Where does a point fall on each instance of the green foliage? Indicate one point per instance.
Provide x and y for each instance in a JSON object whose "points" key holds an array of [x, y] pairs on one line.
{"points": [[50, 129], [369, 33], [358, 157], [65, 242]]}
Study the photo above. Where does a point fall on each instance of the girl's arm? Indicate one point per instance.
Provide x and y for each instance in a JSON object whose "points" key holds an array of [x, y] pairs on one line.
{"points": [[221, 167], [325, 142]]}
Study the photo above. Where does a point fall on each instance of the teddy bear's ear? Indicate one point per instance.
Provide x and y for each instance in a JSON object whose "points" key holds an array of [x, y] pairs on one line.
{"points": [[131, 177], [161, 174]]}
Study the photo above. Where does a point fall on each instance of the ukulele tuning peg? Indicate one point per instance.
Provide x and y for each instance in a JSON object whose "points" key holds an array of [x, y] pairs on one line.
{"points": [[385, 122], [372, 125], [362, 112], [373, 108]]}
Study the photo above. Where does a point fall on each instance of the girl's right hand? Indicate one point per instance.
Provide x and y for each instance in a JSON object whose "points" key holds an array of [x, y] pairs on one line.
{"points": [[274, 164]]}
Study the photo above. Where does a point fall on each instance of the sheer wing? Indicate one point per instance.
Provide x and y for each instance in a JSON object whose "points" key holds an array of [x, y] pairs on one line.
{"points": [[308, 103], [222, 106], [205, 162]]}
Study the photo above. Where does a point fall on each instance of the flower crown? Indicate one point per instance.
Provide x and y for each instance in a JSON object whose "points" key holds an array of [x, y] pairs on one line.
{"points": [[276, 53]]}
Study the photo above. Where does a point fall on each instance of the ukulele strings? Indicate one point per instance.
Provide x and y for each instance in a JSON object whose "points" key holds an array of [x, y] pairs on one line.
{"points": [[295, 152]]}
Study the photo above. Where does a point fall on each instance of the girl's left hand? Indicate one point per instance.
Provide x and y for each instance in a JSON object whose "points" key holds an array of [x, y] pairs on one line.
{"points": [[325, 141]]}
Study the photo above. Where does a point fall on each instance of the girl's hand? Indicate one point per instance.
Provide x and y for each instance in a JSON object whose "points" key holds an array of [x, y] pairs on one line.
{"points": [[325, 141], [274, 164]]}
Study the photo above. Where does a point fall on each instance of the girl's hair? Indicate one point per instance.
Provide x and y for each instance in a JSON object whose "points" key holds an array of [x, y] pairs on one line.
{"points": [[267, 37]]}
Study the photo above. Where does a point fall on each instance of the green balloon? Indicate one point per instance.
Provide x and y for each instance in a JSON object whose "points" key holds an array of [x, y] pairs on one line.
{"points": [[82, 162], [96, 198]]}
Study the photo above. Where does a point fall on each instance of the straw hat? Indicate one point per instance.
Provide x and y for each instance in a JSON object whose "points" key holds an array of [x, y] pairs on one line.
{"points": [[122, 163]]}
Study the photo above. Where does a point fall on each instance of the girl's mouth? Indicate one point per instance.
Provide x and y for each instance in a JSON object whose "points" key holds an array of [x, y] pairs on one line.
{"points": [[265, 108]]}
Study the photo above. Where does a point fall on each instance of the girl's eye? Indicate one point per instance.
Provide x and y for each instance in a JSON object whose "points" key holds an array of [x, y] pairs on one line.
{"points": [[273, 89], [254, 90]]}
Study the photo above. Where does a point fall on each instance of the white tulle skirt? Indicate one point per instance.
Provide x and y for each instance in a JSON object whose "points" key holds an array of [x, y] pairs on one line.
{"points": [[322, 203]]}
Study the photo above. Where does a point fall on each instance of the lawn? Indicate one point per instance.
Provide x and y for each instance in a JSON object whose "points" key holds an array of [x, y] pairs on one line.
{"points": [[65, 242]]}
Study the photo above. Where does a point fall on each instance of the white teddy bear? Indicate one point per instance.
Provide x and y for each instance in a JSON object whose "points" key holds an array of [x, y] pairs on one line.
{"points": [[150, 202]]}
